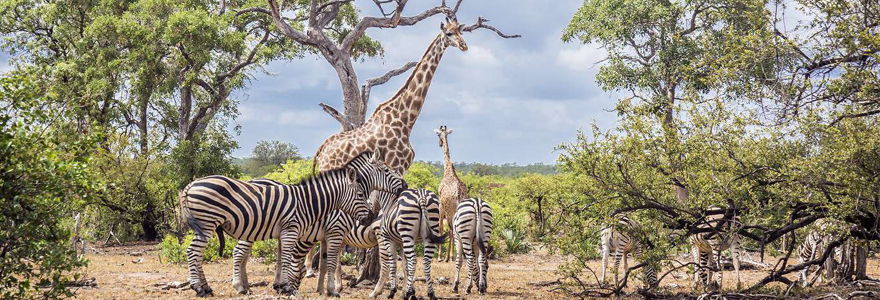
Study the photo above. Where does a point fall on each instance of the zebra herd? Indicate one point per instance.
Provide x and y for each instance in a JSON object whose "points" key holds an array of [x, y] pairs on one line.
{"points": [[714, 235], [331, 208]]}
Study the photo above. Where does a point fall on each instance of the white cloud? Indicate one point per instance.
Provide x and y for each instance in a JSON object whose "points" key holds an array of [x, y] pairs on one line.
{"points": [[300, 117], [478, 56], [583, 58]]}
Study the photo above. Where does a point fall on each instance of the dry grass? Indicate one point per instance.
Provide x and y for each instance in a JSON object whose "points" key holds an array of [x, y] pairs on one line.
{"points": [[514, 277], [119, 278]]}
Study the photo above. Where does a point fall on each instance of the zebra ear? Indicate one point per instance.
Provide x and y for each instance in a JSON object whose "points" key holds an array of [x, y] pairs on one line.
{"points": [[351, 174]]}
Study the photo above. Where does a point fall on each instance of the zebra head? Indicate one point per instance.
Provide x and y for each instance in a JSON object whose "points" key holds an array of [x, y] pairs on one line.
{"points": [[374, 175], [354, 198]]}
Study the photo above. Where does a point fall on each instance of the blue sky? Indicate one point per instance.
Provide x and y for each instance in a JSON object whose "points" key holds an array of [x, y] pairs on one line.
{"points": [[507, 100]]}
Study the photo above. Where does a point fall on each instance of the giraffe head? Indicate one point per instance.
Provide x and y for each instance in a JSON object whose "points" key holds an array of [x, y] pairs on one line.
{"points": [[452, 34], [442, 132]]}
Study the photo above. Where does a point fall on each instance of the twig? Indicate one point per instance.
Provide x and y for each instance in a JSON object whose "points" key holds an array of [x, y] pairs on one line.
{"points": [[481, 24]]}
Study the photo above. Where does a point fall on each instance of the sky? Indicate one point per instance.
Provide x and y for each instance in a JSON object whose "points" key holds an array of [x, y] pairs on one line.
{"points": [[507, 100]]}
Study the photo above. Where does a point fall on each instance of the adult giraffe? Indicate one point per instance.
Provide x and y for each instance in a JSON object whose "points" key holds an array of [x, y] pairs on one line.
{"points": [[452, 190], [389, 127]]}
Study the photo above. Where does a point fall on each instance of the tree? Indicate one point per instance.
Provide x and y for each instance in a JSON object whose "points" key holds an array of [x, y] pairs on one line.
{"points": [[334, 30], [153, 79], [42, 181], [268, 155]]}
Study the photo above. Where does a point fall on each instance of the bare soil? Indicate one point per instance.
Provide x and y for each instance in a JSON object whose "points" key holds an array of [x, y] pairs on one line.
{"points": [[135, 272]]}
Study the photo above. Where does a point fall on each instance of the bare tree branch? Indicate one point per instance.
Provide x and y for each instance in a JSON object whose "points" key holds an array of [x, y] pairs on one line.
{"points": [[286, 29], [336, 115], [252, 9], [481, 24], [373, 22], [370, 83]]}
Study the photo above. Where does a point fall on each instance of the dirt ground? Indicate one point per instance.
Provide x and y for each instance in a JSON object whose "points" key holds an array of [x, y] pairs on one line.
{"points": [[134, 272]]}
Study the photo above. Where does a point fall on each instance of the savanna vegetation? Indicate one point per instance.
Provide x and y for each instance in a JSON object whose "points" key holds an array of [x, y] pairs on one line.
{"points": [[111, 107]]}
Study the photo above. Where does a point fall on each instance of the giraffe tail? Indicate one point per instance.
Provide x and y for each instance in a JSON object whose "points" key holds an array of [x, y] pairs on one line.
{"points": [[315, 159]]}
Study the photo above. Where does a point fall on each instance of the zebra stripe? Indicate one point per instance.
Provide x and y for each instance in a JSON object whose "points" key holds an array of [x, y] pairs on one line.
{"points": [[414, 217], [817, 239], [705, 246], [618, 244], [472, 225], [253, 211]]}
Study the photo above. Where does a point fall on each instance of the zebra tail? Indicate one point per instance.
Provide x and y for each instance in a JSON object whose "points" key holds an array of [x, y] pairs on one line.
{"points": [[481, 234], [220, 236], [183, 214], [426, 232]]}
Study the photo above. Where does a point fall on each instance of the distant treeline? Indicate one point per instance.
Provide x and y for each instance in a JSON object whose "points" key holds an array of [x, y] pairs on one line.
{"points": [[251, 167], [505, 170]]}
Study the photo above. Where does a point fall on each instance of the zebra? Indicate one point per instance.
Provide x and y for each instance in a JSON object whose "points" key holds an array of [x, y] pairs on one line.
{"points": [[817, 239], [348, 232], [413, 217], [704, 245], [337, 229], [251, 212], [618, 243], [472, 225]]}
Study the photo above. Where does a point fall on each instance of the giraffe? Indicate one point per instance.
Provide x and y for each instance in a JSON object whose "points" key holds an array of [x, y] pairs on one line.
{"points": [[452, 190], [389, 127]]}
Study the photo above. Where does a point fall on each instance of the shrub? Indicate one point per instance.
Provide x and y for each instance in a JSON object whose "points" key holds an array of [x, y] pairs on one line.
{"points": [[515, 241], [172, 251], [43, 176], [349, 259], [265, 250]]}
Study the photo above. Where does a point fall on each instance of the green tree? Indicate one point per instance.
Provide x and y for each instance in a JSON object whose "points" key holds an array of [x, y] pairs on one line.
{"points": [[269, 155], [43, 179]]}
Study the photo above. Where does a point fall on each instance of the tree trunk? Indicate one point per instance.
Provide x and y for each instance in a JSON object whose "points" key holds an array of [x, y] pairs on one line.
{"points": [[149, 223]]}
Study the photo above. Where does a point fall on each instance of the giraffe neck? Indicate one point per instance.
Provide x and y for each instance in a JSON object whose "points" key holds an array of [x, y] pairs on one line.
{"points": [[407, 103], [448, 167]]}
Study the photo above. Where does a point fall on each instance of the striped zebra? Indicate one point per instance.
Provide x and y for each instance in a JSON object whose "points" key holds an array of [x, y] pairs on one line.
{"points": [[472, 224], [414, 217], [348, 233], [706, 248], [251, 212], [817, 239], [618, 244]]}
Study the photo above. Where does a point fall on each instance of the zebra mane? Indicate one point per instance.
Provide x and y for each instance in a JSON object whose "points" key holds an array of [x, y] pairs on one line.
{"points": [[320, 175]]}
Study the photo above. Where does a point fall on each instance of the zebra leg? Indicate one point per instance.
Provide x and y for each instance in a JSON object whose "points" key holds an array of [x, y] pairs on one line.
{"points": [[616, 266], [735, 255], [472, 268], [330, 262], [429, 256], [385, 249], [409, 254], [239, 267], [310, 263], [459, 254], [698, 259], [392, 270], [278, 266], [338, 273], [484, 266], [605, 254], [194, 259], [288, 242]]}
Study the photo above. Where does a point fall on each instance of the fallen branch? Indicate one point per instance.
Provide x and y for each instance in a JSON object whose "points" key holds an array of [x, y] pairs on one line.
{"points": [[777, 274]]}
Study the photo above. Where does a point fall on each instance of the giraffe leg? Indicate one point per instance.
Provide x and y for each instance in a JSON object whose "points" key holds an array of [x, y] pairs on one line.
{"points": [[310, 262], [239, 267], [440, 256]]}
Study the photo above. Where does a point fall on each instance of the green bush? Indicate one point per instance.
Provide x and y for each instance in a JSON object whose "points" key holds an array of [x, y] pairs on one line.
{"points": [[265, 250], [44, 177], [349, 259], [174, 252]]}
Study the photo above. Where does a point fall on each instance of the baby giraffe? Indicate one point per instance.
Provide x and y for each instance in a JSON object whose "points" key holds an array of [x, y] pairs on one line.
{"points": [[452, 190]]}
